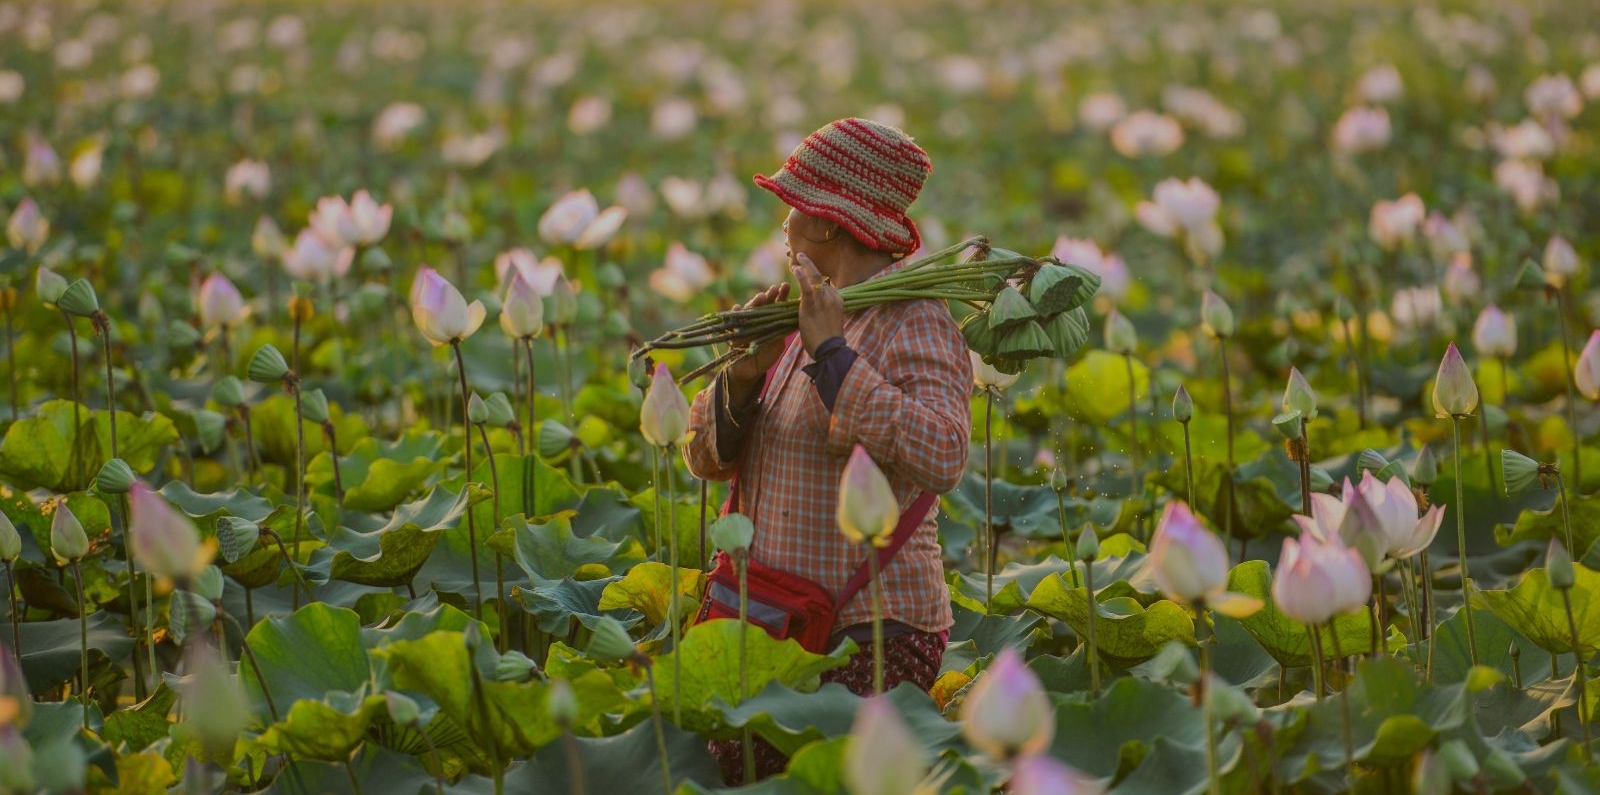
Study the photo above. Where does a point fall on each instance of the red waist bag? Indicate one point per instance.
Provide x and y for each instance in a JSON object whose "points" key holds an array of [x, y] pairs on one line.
{"points": [[787, 605]]}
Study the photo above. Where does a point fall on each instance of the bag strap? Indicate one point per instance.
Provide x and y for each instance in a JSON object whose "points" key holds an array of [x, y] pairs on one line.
{"points": [[732, 505], [910, 520]]}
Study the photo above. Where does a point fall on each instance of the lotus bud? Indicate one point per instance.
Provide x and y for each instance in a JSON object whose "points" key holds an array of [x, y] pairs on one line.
{"points": [[1059, 480], [1458, 759], [554, 439], [27, 228], [472, 639], [616, 325], [477, 410], [1520, 471], [1216, 315], [868, 509], [114, 478], [1558, 566], [267, 366], [301, 309], [79, 299], [733, 532], [1586, 373], [16, 701], [1088, 544], [10, 540], [1431, 776], [1298, 396], [49, 285], [1042, 774], [402, 710], [501, 414], [68, 542], [1454, 392], [1531, 277], [16, 761], [883, 757], [522, 309], [164, 540], [610, 276], [610, 641], [1494, 333], [561, 303], [514, 666], [221, 305], [639, 372], [213, 705], [1182, 405], [1560, 261], [1290, 425], [1318, 579], [564, 222], [562, 703], [208, 583], [986, 376], [1008, 713], [1424, 468], [1010, 309], [664, 417], [1119, 334], [1187, 561], [236, 537], [267, 240], [228, 392], [441, 314], [601, 229], [314, 406]]}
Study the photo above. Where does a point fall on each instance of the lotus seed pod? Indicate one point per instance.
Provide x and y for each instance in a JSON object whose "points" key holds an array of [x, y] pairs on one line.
{"points": [[79, 299], [1371, 460], [1022, 342], [1531, 277], [1298, 396], [314, 405], [228, 392], [562, 703], [1321, 479], [981, 339], [1558, 566], [1120, 336], [610, 641], [733, 532], [208, 583], [68, 542], [1068, 332], [1182, 405], [501, 414], [1288, 424], [1088, 543], [1010, 309], [477, 410], [267, 365], [1216, 315], [514, 666], [402, 710], [115, 477], [236, 537], [181, 335], [49, 285], [1520, 471], [1425, 468], [554, 439]]}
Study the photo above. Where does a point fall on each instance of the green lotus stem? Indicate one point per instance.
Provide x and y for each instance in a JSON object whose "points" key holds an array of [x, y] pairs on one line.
{"points": [[1305, 469], [1566, 517], [1516, 665], [746, 740], [333, 455], [1572, 397], [1488, 460], [350, 772], [564, 363], [1188, 464], [1461, 544], [1432, 624], [77, 398], [1577, 671], [1066, 540], [133, 600], [252, 461], [1344, 705], [488, 741], [300, 478], [1408, 589], [472, 525], [16, 615], [531, 465], [532, 386], [673, 597], [438, 761], [499, 560], [569, 745], [986, 549], [1134, 490], [877, 620], [11, 358], [1227, 410], [103, 325], [83, 642], [661, 732], [1376, 615], [1094, 651], [1317, 672], [1206, 704]]}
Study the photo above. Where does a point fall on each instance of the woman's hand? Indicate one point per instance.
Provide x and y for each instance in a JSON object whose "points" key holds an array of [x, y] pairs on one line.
{"points": [[821, 308], [746, 374]]}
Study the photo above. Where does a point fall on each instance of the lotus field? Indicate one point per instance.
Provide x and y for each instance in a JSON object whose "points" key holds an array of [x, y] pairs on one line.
{"points": [[348, 350]]}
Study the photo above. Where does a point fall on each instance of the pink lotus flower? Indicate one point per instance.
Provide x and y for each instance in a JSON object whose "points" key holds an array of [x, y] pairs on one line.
{"points": [[395, 123], [1560, 261], [1097, 112], [1460, 283], [220, 304], [266, 240], [369, 219], [1318, 579], [1040, 774], [541, 274], [1455, 394], [1394, 223], [1446, 236], [1527, 140], [588, 114], [1527, 184], [884, 757], [1146, 134], [1586, 373], [1190, 564], [1007, 713], [1495, 333], [673, 119], [27, 228], [40, 163], [441, 314], [868, 508], [565, 221], [1553, 96], [1361, 129], [1186, 208], [246, 179], [664, 417], [683, 275], [1394, 507], [522, 309], [165, 541], [334, 222], [85, 166], [1380, 85], [314, 259]]}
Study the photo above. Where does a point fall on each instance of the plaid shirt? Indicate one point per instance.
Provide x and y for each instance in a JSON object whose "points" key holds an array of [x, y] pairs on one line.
{"points": [[906, 400]]}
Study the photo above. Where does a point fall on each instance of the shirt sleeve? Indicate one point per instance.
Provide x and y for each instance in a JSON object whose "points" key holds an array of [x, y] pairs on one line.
{"points": [[827, 374], [720, 430], [909, 405]]}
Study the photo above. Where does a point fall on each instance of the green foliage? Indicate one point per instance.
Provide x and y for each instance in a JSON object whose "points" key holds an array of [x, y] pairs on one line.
{"points": [[44, 451]]}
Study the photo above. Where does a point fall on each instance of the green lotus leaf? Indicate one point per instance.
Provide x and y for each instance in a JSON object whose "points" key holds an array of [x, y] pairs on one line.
{"points": [[1097, 386], [42, 451], [645, 589], [1536, 610], [50, 648], [551, 551], [1110, 734], [379, 475], [392, 555], [1124, 628], [304, 655], [1287, 640], [625, 762], [710, 668], [328, 729], [143, 724]]}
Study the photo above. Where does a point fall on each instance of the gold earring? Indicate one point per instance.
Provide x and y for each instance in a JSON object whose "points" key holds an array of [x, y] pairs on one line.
{"points": [[828, 238]]}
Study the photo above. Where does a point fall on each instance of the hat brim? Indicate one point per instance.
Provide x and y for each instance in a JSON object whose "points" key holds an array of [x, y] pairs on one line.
{"points": [[901, 236]]}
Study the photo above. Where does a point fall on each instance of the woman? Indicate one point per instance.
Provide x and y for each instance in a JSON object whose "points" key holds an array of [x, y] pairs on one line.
{"points": [[894, 379]]}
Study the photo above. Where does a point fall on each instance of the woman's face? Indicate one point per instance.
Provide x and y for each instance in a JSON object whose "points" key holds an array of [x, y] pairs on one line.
{"points": [[811, 236]]}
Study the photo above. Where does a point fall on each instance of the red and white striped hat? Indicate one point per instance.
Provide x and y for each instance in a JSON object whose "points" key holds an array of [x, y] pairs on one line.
{"points": [[860, 174]]}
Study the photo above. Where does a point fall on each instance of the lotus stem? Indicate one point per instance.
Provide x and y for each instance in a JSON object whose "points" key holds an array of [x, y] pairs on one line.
{"points": [[1572, 397], [1094, 651], [83, 642], [11, 357], [705, 488], [1344, 706], [1206, 705], [499, 560], [569, 745], [673, 597], [1134, 490], [1577, 671], [350, 772], [438, 761], [1488, 460], [333, 454], [489, 742], [1380, 622], [986, 549], [661, 732], [1566, 516], [564, 363], [103, 324], [877, 621], [133, 600], [472, 524], [1317, 670], [300, 477], [1461, 544], [1227, 410], [1188, 465], [1431, 624], [1066, 540], [251, 459], [14, 600]]}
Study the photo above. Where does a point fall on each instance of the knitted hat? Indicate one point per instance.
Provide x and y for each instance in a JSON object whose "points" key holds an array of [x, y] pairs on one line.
{"points": [[860, 174]]}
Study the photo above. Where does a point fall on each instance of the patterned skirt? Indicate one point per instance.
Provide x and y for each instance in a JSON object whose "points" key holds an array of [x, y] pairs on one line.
{"points": [[912, 657]]}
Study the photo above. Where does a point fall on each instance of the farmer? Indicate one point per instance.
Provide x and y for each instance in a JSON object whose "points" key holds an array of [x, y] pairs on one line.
{"points": [[894, 378]]}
